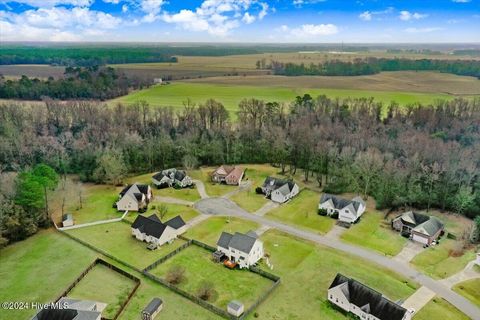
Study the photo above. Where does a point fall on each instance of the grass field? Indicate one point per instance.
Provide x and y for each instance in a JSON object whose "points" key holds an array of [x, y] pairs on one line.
{"points": [[39, 269], [307, 271], [438, 308], [210, 230], [175, 94], [187, 213], [470, 289], [373, 232], [116, 239], [96, 204], [229, 285], [113, 291], [437, 262], [301, 211]]}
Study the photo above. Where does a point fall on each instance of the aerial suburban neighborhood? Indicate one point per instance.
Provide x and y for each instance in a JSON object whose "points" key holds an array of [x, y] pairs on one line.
{"points": [[239, 160]]}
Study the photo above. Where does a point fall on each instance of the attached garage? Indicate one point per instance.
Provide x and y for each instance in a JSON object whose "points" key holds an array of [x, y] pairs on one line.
{"points": [[419, 238]]}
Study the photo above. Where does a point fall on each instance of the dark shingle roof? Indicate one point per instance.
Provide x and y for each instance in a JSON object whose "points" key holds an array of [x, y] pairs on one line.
{"points": [[176, 222], [224, 240], [153, 305], [422, 223], [56, 314], [237, 241], [143, 188], [338, 202], [158, 176], [369, 300], [151, 226]]}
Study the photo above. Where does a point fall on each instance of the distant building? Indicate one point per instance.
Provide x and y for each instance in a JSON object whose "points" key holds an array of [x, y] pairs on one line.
{"points": [[67, 220], [242, 249], [364, 302], [231, 175], [151, 230], [235, 308], [157, 80], [279, 190], [348, 210], [420, 227], [153, 308], [73, 310], [478, 259], [171, 177], [134, 197]]}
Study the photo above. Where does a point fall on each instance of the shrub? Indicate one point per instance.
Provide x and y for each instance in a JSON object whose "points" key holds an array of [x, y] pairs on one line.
{"points": [[175, 275], [322, 212], [334, 215], [206, 290], [258, 190]]}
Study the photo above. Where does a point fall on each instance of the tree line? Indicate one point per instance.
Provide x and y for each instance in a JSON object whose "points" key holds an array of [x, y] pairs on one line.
{"points": [[421, 156], [95, 82], [372, 65]]}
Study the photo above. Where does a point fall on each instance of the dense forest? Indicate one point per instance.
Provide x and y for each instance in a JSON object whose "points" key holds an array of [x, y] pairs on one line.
{"points": [[418, 156], [372, 66], [99, 83]]}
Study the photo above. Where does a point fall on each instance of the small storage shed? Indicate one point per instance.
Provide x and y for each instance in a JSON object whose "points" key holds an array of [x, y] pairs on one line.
{"points": [[235, 308], [153, 308], [67, 220]]}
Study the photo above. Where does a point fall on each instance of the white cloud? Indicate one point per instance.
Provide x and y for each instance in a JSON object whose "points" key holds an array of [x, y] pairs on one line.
{"points": [[124, 8], [314, 30], [247, 18], [300, 3], [365, 16], [422, 30], [151, 7], [407, 15], [52, 3], [112, 1], [461, 1]]}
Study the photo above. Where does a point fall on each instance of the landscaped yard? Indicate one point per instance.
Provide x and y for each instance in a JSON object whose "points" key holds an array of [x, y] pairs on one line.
{"points": [[39, 269], [97, 204], [470, 289], [241, 285], [187, 213], [307, 271], [438, 308], [373, 232], [104, 285], [437, 261], [209, 231], [116, 239], [302, 211], [213, 189]]}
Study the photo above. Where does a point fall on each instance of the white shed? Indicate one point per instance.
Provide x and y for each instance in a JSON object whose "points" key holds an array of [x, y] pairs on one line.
{"points": [[235, 308]]}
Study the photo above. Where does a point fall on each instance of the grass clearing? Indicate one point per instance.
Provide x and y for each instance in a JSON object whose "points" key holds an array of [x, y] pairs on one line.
{"points": [[96, 204], [209, 231], [116, 238], [186, 194], [187, 213], [373, 232], [114, 289], [39, 269], [300, 262], [439, 308], [437, 262], [470, 289], [241, 285], [301, 211]]}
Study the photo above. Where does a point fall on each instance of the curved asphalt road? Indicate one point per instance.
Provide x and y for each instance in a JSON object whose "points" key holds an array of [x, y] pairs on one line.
{"points": [[225, 207]]}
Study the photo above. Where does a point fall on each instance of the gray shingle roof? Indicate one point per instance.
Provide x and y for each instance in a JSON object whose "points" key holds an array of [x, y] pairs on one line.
{"points": [[224, 240], [237, 241], [340, 203], [176, 222], [151, 226], [235, 305], [153, 305]]}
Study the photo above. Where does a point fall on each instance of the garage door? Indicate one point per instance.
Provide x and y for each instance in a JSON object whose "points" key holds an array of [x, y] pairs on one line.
{"points": [[420, 239]]}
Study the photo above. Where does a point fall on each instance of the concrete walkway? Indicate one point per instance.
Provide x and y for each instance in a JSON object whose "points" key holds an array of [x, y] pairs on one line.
{"points": [[262, 230], [467, 273], [336, 232], [201, 189], [174, 200], [197, 220], [270, 205], [89, 224], [419, 299], [409, 251], [221, 206]]}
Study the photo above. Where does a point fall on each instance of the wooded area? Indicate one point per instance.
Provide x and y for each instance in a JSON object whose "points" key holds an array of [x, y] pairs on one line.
{"points": [[373, 65], [419, 156]]}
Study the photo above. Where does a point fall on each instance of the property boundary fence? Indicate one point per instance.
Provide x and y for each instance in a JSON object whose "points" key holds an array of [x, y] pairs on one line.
{"points": [[203, 303], [112, 267]]}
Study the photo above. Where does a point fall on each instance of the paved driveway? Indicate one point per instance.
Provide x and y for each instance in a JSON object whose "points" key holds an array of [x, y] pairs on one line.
{"points": [[221, 206]]}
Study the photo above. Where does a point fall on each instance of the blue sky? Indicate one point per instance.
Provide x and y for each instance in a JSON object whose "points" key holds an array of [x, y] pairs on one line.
{"points": [[313, 21]]}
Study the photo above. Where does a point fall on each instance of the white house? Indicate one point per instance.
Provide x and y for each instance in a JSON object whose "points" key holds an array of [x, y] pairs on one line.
{"points": [[243, 249], [152, 230], [134, 197], [74, 310], [279, 190], [348, 210], [171, 177], [364, 302]]}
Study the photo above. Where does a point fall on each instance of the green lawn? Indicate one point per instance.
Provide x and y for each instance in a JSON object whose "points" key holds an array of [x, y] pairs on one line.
{"points": [[241, 285], [373, 232], [97, 204], [116, 239], [437, 262], [187, 213], [39, 269], [173, 95], [114, 289], [302, 211], [213, 189], [210, 230], [470, 289], [307, 271], [249, 200], [439, 308]]}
